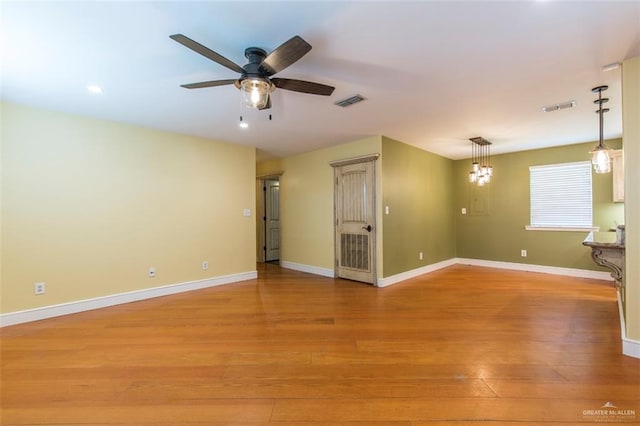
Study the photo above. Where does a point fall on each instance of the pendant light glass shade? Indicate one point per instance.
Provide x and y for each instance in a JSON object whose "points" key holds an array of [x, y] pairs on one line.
{"points": [[601, 159], [255, 92]]}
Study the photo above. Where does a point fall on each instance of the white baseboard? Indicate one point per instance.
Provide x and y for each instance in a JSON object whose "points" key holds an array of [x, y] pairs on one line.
{"points": [[393, 279], [581, 273], [45, 312], [630, 347], [325, 272], [555, 270]]}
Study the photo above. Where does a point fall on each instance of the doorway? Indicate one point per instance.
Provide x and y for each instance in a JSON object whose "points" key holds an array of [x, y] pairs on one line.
{"points": [[269, 220]]}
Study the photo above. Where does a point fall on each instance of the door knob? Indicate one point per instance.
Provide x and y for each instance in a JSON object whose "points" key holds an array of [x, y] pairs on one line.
{"points": [[367, 228]]}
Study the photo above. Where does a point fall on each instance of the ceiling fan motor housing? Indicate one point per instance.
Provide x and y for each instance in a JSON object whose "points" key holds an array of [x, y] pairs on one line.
{"points": [[254, 70]]}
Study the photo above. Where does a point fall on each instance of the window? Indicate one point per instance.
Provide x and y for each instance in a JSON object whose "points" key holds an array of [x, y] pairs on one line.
{"points": [[560, 196]]}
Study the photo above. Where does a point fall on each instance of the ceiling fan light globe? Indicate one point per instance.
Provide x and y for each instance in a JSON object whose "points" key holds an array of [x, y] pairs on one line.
{"points": [[255, 92]]}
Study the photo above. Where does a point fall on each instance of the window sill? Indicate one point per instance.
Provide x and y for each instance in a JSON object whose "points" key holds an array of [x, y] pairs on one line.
{"points": [[562, 229]]}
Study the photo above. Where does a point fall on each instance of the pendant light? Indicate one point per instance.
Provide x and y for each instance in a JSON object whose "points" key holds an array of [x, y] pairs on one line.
{"points": [[601, 154], [481, 169]]}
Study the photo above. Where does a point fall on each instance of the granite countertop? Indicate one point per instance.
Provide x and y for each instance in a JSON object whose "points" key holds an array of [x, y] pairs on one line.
{"points": [[603, 240]]}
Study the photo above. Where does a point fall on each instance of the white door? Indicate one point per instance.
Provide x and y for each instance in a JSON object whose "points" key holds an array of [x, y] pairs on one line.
{"points": [[355, 221], [272, 220]]}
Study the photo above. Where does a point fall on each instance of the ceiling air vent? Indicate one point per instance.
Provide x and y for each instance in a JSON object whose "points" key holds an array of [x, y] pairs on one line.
{"points": [[556, 107], [350, 101]]}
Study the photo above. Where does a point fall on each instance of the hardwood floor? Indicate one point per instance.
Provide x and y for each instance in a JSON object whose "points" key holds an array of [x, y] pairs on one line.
{"points": [[463, 345]]}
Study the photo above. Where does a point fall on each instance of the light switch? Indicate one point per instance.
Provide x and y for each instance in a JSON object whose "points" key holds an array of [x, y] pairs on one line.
{"points": [[246, 212], [464, 210], [386, 209]]}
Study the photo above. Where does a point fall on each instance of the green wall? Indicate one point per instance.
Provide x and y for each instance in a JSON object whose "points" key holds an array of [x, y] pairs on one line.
{"points": [[496, 230], [417, 186]]}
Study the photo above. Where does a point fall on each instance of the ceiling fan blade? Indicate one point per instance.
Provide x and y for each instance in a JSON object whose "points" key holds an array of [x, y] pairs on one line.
{"points": [[303, 86], [284, 55], [212, 83], [206, 52]]}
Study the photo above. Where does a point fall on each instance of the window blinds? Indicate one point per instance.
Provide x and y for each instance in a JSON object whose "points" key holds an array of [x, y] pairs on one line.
{"points": [[561, 195]]}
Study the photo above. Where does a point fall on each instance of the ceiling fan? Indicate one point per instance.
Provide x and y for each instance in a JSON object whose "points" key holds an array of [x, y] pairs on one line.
{"points": [[255, 80]]}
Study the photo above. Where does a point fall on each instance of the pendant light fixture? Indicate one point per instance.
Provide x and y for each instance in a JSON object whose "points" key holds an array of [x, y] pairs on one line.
{"points": [[601, 154], [481, 169]]}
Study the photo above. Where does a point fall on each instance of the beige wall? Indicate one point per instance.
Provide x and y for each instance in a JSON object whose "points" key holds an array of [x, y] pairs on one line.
{"points": [[90, 205], [306, 201], [1, 197], [269, 167], [631, 138]]}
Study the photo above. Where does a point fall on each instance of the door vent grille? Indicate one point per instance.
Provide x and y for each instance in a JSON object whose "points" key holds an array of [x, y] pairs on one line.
{"points": [[350, 101], [354, 250]]}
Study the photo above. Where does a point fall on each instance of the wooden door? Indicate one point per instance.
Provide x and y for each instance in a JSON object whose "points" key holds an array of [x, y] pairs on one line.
{"points": [[355, 222]]}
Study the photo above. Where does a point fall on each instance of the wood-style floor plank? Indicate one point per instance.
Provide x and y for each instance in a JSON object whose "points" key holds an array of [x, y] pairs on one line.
{"points": [[463, 345]]}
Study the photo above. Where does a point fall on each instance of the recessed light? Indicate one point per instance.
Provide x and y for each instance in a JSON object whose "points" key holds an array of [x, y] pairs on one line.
{"points": [[94, 89], [244, 125]]}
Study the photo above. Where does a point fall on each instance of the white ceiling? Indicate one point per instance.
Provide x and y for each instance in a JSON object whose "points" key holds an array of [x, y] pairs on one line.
{"points": [[434, 73]]}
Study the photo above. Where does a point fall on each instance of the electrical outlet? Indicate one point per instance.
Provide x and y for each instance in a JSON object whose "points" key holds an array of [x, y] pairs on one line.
{"points": [[40, 288], [205, 265], [523, 253], [420, 256], [152, 272]]}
